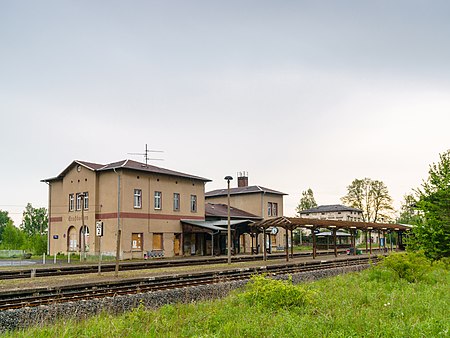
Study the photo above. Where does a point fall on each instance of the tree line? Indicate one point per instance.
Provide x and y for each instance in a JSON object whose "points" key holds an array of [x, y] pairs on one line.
{"points": [[31, 235], [425, 208]]}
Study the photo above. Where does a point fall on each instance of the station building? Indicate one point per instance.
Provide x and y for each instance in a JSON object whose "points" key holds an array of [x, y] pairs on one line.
{"points": [[259, 201], [143, 203]]}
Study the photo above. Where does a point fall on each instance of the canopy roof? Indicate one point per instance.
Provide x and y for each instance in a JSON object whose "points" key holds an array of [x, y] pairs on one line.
{"points": [[220, 225], [297, 222]]}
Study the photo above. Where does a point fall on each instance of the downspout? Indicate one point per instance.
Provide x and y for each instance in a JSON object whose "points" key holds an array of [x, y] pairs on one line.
{"points": [[212, 242]]}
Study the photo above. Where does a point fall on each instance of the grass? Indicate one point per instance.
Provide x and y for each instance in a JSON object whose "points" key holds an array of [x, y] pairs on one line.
{"points": [[375, 303]]}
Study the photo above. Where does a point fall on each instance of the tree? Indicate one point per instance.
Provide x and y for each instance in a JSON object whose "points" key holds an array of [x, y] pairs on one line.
{"points": [[307, 201], [432, 233], [370, 196], [4, 221], [408, 212], [35, 220], [13, 238]]}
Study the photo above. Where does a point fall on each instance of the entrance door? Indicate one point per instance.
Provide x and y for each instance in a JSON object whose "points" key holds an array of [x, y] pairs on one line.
{"points": [[176, 244], [72, 243]]}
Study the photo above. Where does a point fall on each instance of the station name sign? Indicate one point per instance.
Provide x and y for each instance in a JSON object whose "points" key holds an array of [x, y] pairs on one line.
{"points": [[77, 218]]}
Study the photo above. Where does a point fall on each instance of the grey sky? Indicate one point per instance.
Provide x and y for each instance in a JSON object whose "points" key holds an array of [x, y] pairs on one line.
{"points": [[298, 93]]}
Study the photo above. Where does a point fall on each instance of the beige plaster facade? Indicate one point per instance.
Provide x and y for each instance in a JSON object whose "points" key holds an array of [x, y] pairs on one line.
{"points": [[266, 203], [137, 197]]}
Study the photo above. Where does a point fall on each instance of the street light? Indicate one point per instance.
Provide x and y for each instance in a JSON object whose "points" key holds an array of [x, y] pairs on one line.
{"points": [[228, 179]]}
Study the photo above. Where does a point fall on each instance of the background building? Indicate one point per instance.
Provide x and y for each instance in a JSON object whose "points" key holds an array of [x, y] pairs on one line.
{"points": [[334, 211]]}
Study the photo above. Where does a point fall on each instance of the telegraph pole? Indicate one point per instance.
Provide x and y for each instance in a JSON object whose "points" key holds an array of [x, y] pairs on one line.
{"points": [[83, 228], [228, 179]]}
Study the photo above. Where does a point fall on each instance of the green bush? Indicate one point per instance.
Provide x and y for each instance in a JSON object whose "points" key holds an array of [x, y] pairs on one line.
{"points": [[411, 266], [275, 294]]}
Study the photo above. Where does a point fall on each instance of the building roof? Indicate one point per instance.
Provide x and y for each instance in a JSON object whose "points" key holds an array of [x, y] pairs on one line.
{"points": [[221, 210], [329, 208], [220, 225], [126, 164], [253, 189]]}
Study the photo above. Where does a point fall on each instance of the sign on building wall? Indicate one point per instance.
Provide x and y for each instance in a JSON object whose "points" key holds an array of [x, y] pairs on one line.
{"points": [[99, 228]]}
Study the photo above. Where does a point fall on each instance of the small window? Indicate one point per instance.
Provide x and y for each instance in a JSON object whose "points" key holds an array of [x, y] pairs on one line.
{"points": [[136, 241], [78, 201], [158, 196], [158, 242], [71, 202], [176, 201], [193, 203], [269, 209], [274, 209], [137, 198], [86, 201]]}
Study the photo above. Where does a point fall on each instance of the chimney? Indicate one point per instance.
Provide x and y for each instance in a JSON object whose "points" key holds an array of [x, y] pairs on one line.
{"points": [[242, 179]]}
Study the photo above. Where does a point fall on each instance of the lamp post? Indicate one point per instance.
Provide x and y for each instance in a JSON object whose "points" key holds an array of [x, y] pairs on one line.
{"points": [[228, 179]]}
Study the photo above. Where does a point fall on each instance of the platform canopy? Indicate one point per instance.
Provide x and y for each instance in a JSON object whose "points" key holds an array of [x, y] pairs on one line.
{"points": [[312, 223]]}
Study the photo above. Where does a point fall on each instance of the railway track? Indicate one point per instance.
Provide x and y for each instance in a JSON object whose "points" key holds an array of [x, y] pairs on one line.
{"points": [[127, 266], [73, 293]]}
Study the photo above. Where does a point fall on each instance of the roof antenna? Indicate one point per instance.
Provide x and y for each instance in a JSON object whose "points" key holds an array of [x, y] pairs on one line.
{"points": [[145, 154]]}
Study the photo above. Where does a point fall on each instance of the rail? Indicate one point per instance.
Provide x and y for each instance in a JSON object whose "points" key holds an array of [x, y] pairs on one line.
{"points": [[45, 296]]}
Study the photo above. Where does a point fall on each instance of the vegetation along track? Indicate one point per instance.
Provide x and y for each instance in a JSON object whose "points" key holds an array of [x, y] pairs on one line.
{"points": [[126, 266], [44, 296]]}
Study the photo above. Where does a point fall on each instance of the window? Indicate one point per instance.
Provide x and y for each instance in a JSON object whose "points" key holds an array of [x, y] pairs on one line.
{"points": [[176, 201], [273, 239], [86, 201], [269, 209], [158, 196], [274, 209], [158, 242], [136, 241], [78, 201], [71, 202], [137, 198], [193, 203]]}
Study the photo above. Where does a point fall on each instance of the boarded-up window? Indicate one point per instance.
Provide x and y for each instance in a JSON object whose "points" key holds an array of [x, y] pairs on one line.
{"points": [[136, 241], [158, 242]]}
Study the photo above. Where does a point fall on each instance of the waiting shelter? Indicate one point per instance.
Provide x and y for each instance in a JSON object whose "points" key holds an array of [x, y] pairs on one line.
{"points": [[289, 224]]}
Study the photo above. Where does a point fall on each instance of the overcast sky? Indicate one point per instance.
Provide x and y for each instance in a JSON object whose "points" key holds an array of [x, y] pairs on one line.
{"points": [[298, 93]]}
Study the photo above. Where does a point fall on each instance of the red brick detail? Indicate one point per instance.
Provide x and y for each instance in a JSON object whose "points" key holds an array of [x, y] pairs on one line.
{"points": [[55, 219], [106, 216], [137, 215]]}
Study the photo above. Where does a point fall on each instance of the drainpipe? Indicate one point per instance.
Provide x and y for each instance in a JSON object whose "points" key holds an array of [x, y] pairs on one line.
{"points": [[212, 241]]}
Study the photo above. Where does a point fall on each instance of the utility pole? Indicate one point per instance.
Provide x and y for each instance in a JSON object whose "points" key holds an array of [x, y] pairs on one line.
{"points": [[83, 228], [119, 230]]}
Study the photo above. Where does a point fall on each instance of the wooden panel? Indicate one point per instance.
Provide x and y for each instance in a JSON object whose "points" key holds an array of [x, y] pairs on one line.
{"points": [[157, 241], [176, 245]]}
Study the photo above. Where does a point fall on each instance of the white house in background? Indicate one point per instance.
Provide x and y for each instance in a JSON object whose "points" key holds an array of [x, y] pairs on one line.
{"points": [[334, 211]]}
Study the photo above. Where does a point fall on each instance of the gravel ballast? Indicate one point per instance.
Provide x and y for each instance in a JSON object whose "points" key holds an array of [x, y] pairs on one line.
{"points": [[21, 318]]}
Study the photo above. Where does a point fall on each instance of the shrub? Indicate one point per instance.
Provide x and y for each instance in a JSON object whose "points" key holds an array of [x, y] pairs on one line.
{"points": [[275, 294], [411, 266]]}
